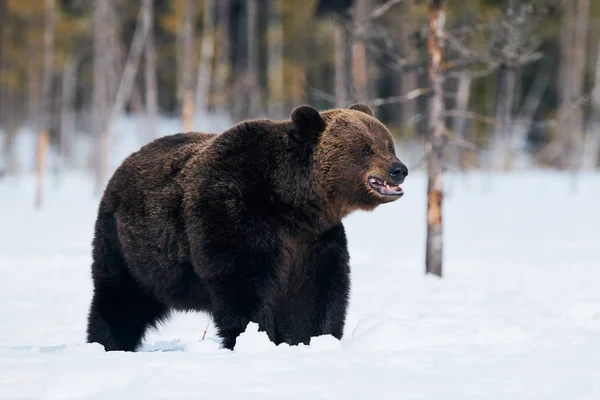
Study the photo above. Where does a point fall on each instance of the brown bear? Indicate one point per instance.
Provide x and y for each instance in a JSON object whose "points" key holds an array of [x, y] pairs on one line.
{"points": [[245, 225]]}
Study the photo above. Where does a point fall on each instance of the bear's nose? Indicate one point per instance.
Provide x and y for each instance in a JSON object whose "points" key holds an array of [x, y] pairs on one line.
{"points": [[398, 172]]}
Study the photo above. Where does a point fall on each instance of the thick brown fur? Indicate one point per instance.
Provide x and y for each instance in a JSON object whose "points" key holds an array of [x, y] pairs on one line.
{"points": [[245, 225]]}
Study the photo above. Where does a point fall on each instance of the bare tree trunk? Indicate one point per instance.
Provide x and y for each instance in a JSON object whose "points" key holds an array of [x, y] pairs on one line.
{"points": [[100, 96], [239, 101], [187, 107], [3, 95], [45, 119], [523, 122], [343, 63], [207, 52], [407, 80], [434, 145], [133, 59], [2, 64], [253, 59], [33, 83], [223, 68], [150, 72], [462, 104], [8, 119], [505, 99], [572, 68], [359, 51], [67, 113], [43, 143], [275, 64], [591, 152]]}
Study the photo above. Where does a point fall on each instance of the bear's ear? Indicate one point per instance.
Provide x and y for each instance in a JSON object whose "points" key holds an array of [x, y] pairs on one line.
{"points": [[362, 108], [307, 119]]}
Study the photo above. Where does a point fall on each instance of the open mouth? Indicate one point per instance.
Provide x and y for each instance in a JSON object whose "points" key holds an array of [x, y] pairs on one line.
{"points": [[384, 188]]}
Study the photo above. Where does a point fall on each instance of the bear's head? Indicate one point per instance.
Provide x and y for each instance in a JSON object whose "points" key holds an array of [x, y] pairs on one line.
{"points": [[353, 156]]}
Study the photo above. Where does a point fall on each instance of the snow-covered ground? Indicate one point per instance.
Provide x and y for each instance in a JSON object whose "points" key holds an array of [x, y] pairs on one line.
{"points": [[516, 316]]}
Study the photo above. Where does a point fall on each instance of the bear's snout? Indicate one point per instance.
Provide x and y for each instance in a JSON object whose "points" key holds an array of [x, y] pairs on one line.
{"points": [[398, 172]]}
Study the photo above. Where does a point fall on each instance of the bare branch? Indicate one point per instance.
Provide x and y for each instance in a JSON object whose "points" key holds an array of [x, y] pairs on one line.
{"points": [[493, 121], [474, 116], [382, 9], [413, 94], [322, 94], [459, 141]]}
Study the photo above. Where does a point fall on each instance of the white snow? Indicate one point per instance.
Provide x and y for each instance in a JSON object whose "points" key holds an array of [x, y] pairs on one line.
{"points": [[516, 316]]}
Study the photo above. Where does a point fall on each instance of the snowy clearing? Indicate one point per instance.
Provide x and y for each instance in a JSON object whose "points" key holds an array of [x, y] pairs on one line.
{"points": [[516, 316]]}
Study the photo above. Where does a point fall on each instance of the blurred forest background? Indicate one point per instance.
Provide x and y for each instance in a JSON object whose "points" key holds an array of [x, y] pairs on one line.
{"points": [[519, 88]]}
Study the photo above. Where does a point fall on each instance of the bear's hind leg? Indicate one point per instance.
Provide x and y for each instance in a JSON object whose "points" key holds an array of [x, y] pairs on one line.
{"points": [[120, 315]]}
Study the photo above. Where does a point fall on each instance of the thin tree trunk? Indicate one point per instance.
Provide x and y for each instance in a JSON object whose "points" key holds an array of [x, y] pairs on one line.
{"points": [[187, 107], [530, 105], [462, 104], [434, 143], [275, 64], [239, 47], [578, 70], [407, 80], [100, 96], [502, 132], [207, 52], [33, 84], [343, 62], [133, 59], [2, 63], [253, 59], [572, 68], [67, 111], [43, 143], [359, 52], [7, 104], [150, 72], [591, 153], [223, 68], [45, 117]]}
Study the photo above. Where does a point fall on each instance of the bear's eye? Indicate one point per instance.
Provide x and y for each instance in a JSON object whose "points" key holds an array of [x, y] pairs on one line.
{"points": [[367, 151], [391, 148]]}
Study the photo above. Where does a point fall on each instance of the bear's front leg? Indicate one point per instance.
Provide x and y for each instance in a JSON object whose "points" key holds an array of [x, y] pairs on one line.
{"points": [[241, 285], [237, 300], [318, 291], [330, 259]]}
